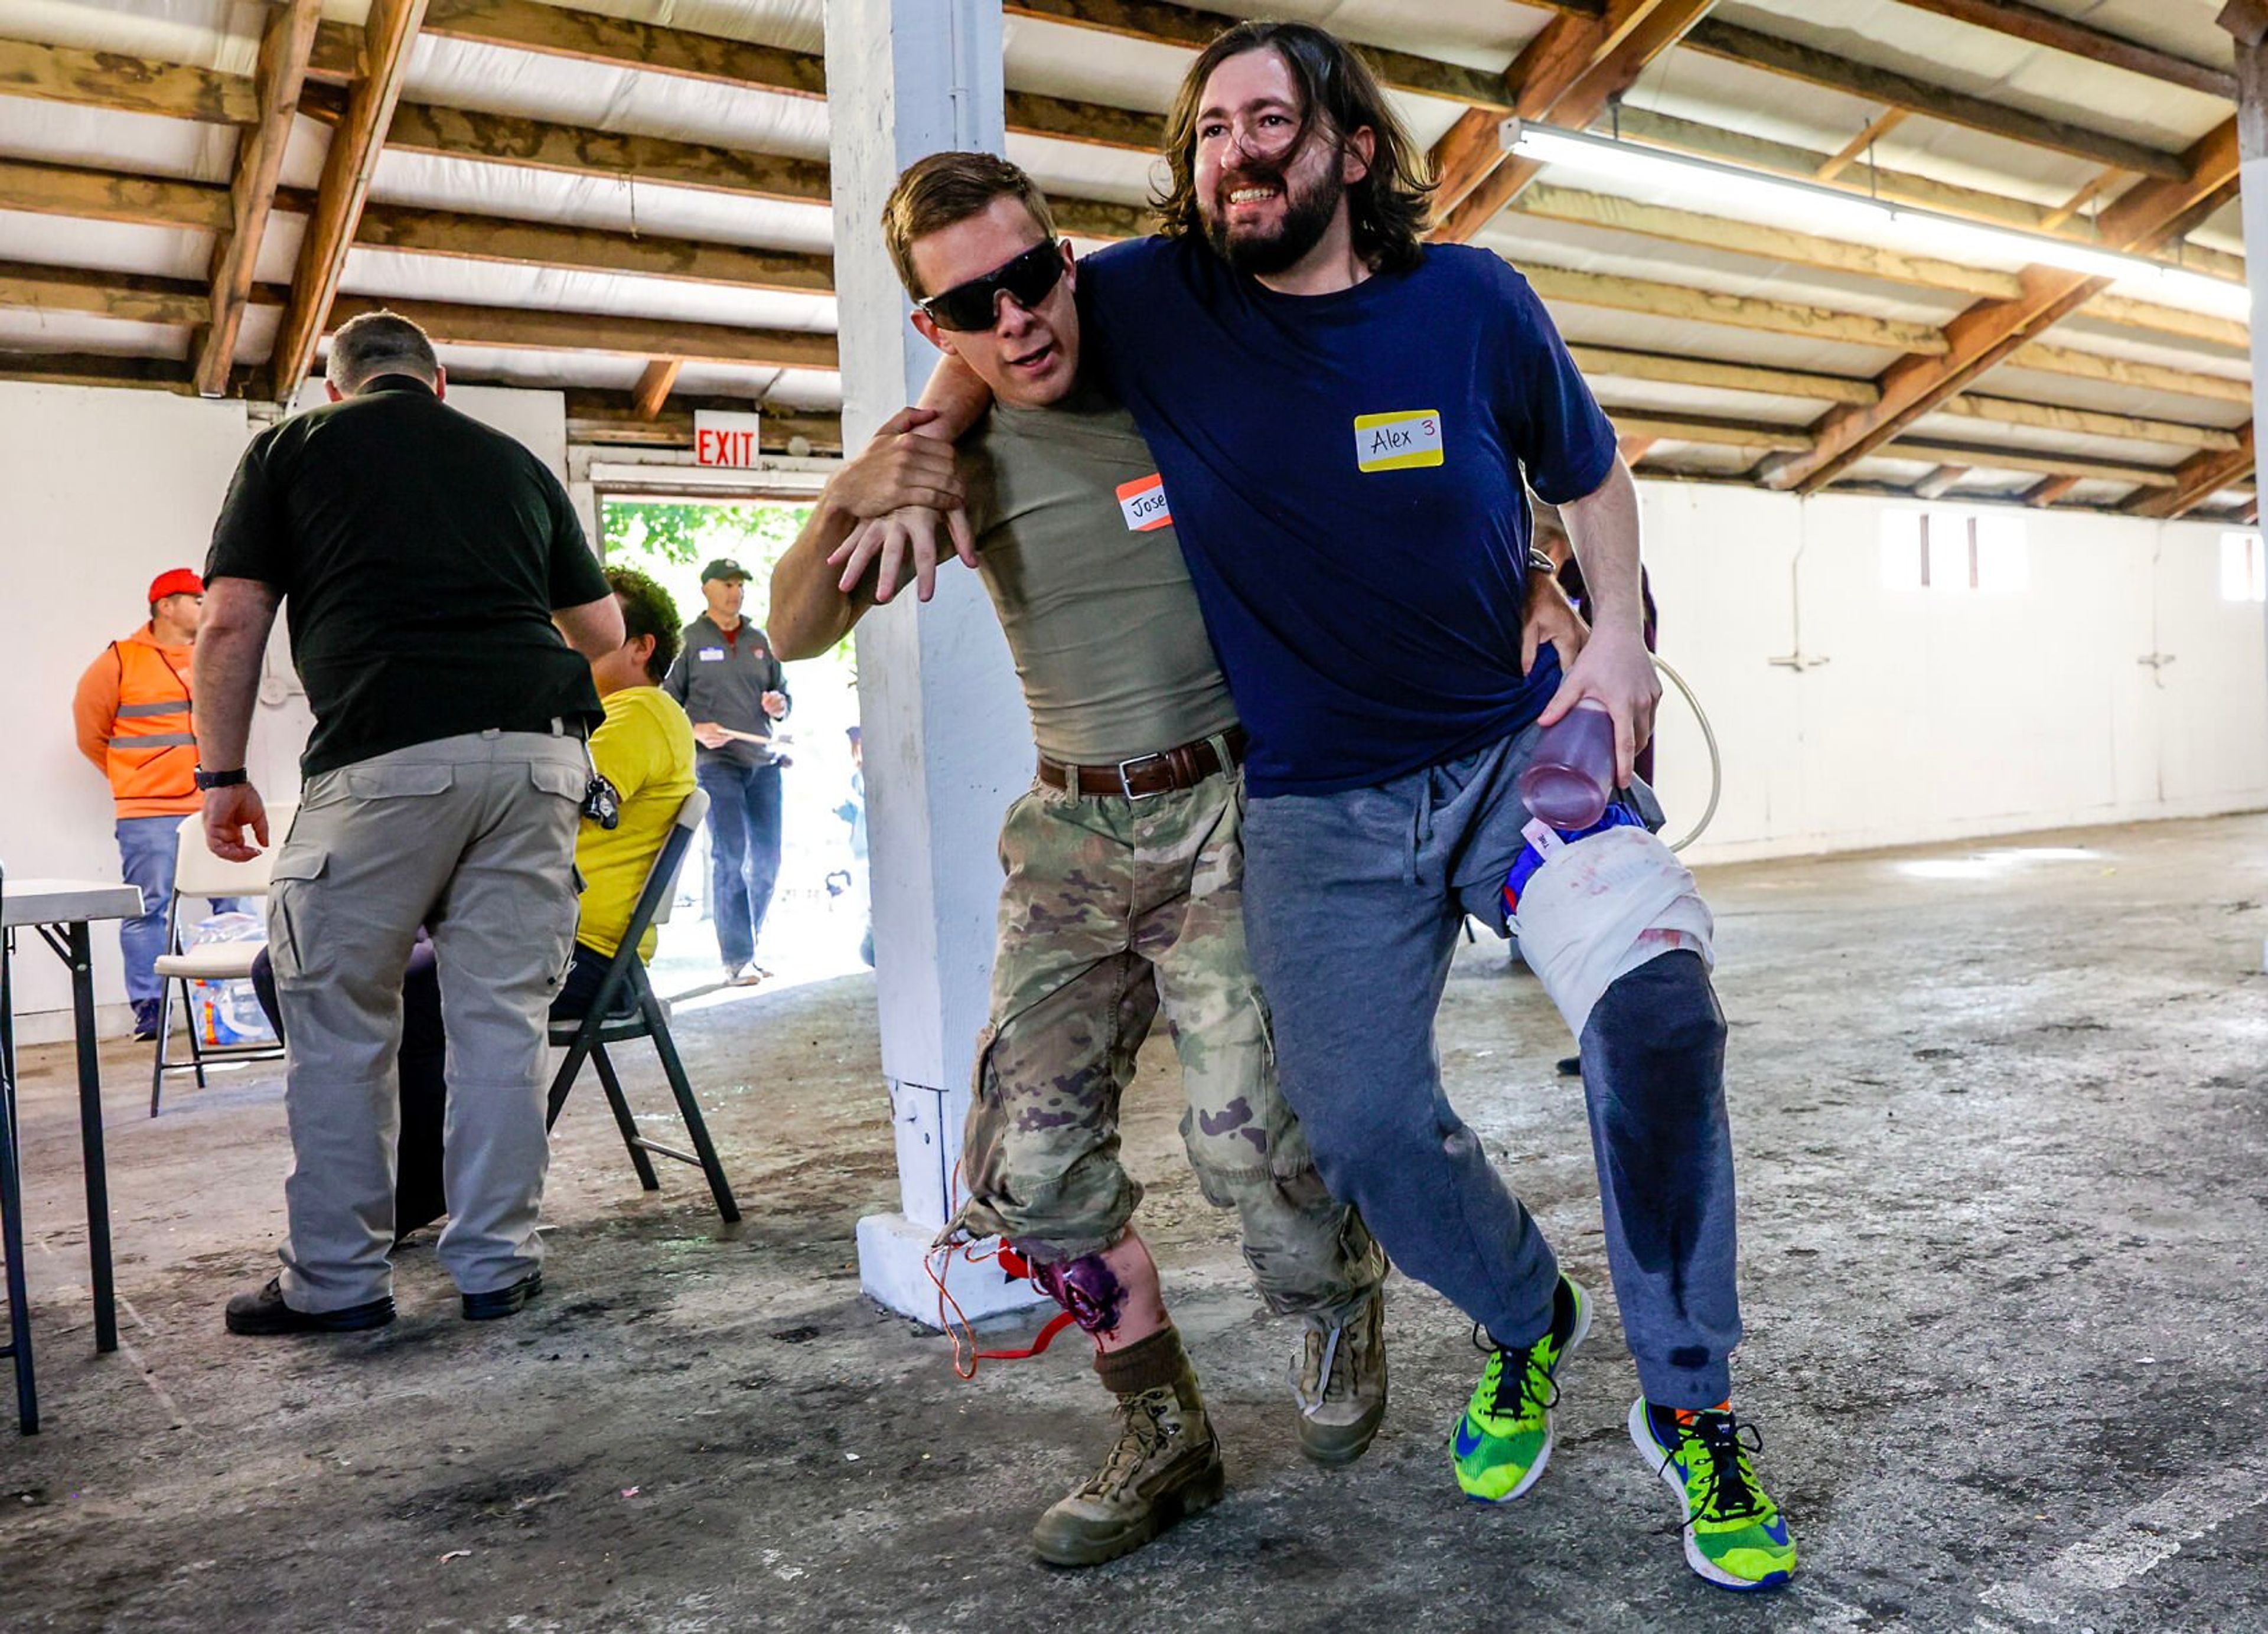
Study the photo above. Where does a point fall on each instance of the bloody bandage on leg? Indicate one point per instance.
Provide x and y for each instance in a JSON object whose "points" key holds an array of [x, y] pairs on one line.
{"points": [[1598, 908], [1086, 1287]]}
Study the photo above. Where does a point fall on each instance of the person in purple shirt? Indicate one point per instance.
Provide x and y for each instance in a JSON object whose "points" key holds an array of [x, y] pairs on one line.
{"points": [[1343, 416]]}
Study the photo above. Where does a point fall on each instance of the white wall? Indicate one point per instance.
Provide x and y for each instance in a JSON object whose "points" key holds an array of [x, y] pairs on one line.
{"points": [[100, 491], [1946, 713]]}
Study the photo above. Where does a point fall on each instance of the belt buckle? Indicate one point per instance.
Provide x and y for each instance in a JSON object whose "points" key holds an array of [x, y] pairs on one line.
{"points": [[1126, 788]]}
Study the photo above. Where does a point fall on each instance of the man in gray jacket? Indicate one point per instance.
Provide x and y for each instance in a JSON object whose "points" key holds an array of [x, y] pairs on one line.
{"points": [[430, 568], [730, 683]]}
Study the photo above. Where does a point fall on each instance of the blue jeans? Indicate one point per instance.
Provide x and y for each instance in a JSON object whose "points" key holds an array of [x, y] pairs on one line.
{"points": [[1353, 904], [145, 854], [744, 849]]}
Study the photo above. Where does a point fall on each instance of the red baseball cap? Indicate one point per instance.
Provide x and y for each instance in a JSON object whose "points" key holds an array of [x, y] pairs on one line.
{"points": [[175, 582]]}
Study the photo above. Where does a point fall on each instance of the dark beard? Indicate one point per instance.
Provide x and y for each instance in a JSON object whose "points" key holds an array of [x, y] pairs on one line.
{"points": [[1305, 219]]}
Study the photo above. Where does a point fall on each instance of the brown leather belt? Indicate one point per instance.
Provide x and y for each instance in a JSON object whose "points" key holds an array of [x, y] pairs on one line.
{"points": [[1146, 775]]}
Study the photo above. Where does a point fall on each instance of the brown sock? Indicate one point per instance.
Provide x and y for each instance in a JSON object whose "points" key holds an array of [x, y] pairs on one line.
{"points": [[1144, 1364]]}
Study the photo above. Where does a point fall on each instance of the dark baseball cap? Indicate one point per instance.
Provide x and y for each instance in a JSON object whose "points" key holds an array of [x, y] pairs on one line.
{"points": [[723, 567]]}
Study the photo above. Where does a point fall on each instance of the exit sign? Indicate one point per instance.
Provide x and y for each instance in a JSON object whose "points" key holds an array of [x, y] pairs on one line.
{"points": [[726, 439]]}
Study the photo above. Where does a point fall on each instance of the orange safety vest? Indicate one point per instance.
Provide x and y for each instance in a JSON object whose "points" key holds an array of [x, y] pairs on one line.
{"points": [[151, 756]]}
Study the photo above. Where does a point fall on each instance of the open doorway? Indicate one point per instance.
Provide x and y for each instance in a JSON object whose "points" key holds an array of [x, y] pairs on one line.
{"points": [[817, 926]]}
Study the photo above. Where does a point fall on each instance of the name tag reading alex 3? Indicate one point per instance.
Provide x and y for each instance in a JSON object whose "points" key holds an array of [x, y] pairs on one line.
{"points": [[1399, 441], [1143, 502]]}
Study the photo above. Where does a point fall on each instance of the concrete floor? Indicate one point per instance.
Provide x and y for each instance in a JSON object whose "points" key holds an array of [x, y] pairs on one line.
{"points": [[2003, 1121]]}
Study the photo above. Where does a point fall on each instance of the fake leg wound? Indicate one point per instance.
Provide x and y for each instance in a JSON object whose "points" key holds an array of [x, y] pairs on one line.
{"points": [[1164, 1462]]}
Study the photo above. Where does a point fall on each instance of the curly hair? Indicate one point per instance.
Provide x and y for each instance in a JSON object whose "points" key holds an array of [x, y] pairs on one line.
{"points": [[1388, 209], [647, 610]]}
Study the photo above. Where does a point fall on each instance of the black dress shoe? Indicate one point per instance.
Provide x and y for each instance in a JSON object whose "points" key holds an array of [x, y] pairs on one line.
{"points": [[265, 1313], [486, 1307], [1570, 1066]]}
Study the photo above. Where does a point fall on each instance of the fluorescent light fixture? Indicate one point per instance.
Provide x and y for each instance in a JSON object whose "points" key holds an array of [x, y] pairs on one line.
{"points": [[1925, 229]]}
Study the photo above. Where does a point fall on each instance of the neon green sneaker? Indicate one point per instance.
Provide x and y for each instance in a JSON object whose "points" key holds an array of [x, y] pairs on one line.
{"points": [[1500, 1446], [1734, 1536]]}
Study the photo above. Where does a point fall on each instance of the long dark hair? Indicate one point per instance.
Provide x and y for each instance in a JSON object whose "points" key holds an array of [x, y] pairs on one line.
{"points": [[1390, 208]]}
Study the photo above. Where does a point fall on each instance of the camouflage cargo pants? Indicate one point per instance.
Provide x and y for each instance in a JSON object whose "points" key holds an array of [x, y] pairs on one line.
{"points": [[1115, 911]]}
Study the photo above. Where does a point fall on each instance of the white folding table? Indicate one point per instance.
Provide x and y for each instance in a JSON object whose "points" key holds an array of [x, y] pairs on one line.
{"points": [[59, 912]]}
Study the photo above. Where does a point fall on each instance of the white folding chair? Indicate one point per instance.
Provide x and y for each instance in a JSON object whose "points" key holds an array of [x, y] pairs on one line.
{"points": [[198, 873]]}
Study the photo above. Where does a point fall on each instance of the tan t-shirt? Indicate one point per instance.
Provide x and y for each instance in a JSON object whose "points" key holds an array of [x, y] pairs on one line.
{"points": [[1076, 547]]}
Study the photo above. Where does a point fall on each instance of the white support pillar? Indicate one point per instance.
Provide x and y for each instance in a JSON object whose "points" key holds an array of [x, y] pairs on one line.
{"points": [[948, 741], [2247, 23]]}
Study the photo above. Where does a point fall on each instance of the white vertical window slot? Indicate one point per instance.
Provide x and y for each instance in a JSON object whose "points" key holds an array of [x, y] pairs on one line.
{"points": [[1905, 549], [1999, 555], [2243, 572]]}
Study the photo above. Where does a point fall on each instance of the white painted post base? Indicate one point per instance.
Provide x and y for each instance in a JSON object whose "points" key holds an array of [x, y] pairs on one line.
{"points": [[892, 1250]]}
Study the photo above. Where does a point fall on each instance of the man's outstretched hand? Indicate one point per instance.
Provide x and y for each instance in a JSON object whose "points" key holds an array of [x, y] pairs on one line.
{"points": [[904, 540], [235, 823], [1616, 669]]}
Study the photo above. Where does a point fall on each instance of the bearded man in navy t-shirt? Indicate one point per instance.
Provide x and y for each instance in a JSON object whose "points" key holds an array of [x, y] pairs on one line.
{"points": [[1345, 417]]}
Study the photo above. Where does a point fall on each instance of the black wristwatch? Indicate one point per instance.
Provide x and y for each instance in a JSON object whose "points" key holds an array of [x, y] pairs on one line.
{"points": [[222, 779]]}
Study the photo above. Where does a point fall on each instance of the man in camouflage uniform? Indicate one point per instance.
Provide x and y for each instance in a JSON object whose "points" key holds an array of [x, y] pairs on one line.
{"points": [[1124, 868]]}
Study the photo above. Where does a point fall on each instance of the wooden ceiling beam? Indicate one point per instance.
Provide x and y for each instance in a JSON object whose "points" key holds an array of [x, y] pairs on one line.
{"points": [[1739, 312], [284, 47], [2088, 423], [1990, 458], [1988, 332], [131, 84], [2197, 479], [1616, 362], [653, 386], [595, 37], [42, 189], [1160, 23], [348, 169], [2059, 33], [31, 287], [2048, 489], [1568, 73], [568, 150], [2129, 373], [1790, 59], [1939, 483], [1654, 426], [1884, 123], [543, 244], [453, 323], [2102, 182]]}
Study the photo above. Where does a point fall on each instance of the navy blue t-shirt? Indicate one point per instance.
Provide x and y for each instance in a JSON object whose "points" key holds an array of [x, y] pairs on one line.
{"points": [[1345, 471]]}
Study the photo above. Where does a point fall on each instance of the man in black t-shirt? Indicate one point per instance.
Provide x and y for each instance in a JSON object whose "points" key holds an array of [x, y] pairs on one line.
{"points": [[428, 567]]}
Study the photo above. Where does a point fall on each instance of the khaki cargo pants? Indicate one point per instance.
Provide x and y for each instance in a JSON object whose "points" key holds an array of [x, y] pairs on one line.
{"points": [[1116, 909], [474, 837]]}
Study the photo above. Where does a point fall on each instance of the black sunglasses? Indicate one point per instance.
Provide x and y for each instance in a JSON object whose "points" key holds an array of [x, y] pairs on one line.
{"points": [[1027, 280]]}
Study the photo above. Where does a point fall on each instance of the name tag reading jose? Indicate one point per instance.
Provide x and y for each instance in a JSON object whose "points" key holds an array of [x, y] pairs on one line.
{"points": [[1398, 441], [1143, 502]]}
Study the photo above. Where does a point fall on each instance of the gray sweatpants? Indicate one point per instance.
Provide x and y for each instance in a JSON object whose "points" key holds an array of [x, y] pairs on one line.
{"points": [[474, 837], [1353, 906]]}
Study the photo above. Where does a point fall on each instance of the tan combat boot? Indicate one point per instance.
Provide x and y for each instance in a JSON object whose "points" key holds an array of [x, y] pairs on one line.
{"points": [[1340, 1384], [1166, 1465]]}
